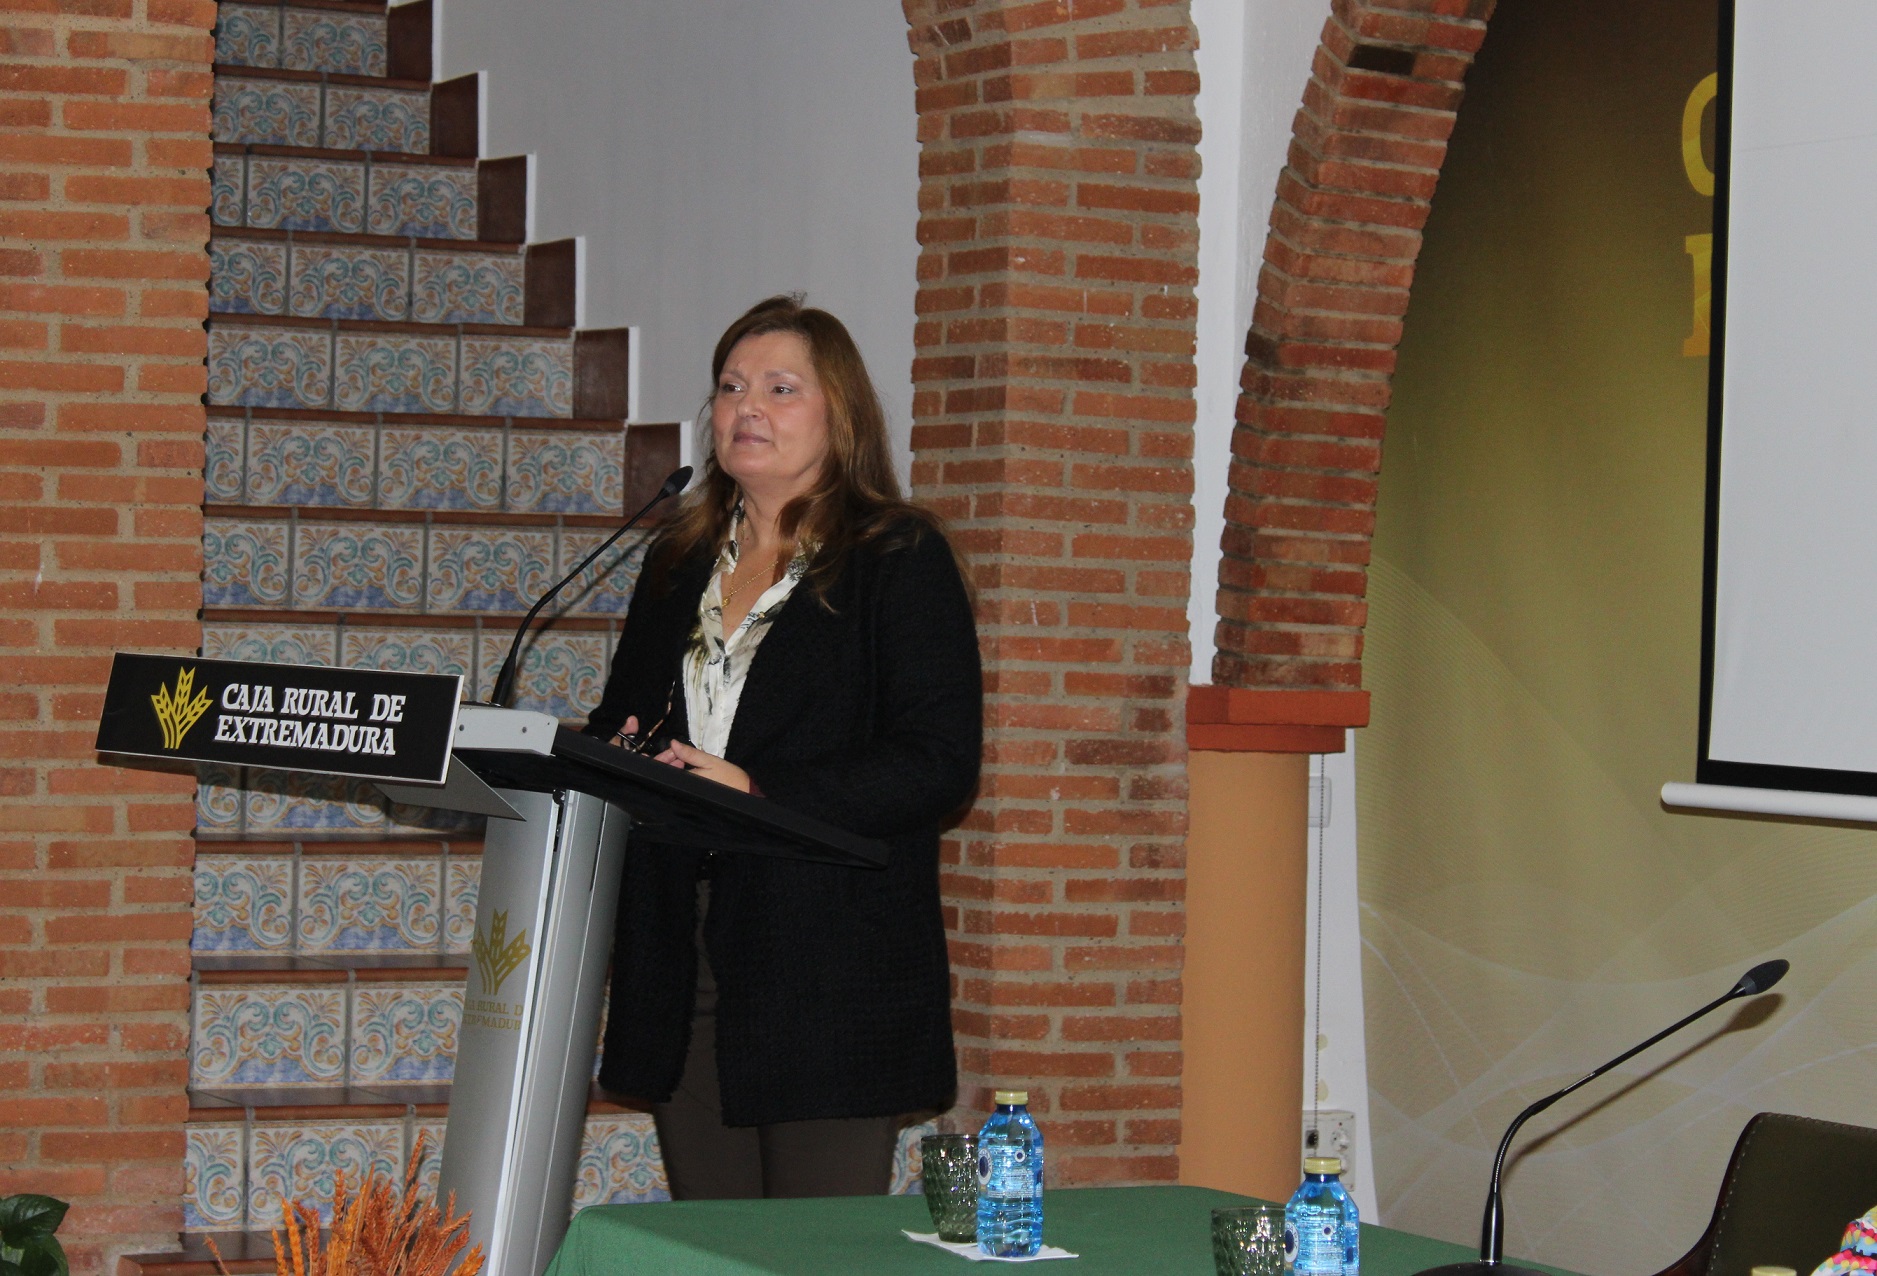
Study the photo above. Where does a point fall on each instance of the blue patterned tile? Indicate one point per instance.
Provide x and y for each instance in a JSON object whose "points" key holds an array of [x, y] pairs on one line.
{"points": [[404, 1034], [224, 460], [517, 376], [244, 564], [212, 1171], [300, 1161], [560, 673], [564, 472], [342, 43], [379, 372], [266, 112], [426, 200], [260, 1035], [243, 904], [410, 821], [488, 569], [350, 283], [604, 589], [377, 120], [286, 804], [461, 881], [310, 463], [411, 651], [247, 278], [908, 1167], [225, 182], [273, 644], [340, 566], [247, 35], [427, 1169], [436, 468], [369, 905], [468, 288], [620, 1162], [306, 194], [219, 802], [269, 367]]}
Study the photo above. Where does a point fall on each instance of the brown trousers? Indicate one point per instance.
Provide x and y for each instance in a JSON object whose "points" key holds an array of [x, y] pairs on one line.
{"points": [[708, 1160]]}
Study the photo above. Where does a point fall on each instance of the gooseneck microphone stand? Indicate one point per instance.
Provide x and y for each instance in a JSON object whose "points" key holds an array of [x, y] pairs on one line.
{"points": [[1492, 1231], [505, 679]]}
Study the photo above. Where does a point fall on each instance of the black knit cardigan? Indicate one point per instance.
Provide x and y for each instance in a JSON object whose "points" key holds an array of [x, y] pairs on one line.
{"points": [[833, 985]]}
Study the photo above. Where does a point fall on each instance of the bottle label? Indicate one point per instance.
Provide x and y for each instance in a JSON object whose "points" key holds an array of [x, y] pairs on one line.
{"points": [[1004, 1170]]}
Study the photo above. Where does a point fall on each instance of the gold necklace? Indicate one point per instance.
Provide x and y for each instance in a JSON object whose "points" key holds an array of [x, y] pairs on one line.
{"points": [[746, 584]]}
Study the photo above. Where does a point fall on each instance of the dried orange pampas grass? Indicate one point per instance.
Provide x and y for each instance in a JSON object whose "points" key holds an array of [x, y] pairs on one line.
{"points": [[379, 1232]]}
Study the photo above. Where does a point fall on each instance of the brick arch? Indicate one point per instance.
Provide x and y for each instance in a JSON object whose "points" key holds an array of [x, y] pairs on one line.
{"points": [[1366, 151]]}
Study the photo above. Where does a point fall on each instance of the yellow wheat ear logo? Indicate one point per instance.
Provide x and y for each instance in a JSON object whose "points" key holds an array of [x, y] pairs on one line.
{"points": [[177, 712], [497, 955]]}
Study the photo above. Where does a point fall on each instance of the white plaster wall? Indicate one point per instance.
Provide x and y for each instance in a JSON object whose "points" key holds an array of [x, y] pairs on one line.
{"points": [[1254, 60], [711, 153]]}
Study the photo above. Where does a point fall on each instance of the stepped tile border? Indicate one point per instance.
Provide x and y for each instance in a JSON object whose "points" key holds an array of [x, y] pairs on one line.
{"points": [[337, 190], [439, 518], [331, 239], [400, 327], [339, 79]]}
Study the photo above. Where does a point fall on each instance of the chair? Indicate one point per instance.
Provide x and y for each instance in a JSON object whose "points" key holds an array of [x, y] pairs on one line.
{"points": [[1792, 1186]]}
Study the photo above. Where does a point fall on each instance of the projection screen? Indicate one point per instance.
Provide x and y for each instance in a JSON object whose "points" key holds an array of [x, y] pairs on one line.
{"points": [[1789, 660]]}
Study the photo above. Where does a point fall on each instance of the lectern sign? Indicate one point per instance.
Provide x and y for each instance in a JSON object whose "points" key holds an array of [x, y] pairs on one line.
{"points": [[356, 722]]}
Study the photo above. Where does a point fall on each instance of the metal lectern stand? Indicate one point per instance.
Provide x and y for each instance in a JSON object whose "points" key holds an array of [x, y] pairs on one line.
{"points": [[561, 805]]}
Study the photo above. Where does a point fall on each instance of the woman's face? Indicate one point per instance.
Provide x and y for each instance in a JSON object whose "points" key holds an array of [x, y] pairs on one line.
{"points": [[769, 417]]}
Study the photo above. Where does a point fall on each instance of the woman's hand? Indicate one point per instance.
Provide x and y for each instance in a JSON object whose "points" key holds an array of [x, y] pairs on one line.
{"points": [[627, 736], [708, 765]]}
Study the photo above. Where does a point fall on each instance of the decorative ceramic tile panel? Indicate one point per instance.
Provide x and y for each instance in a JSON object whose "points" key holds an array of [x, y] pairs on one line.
{"points": [[266, 112], [223, 461], [447, 651], [488, 569], [514, 376], [283, 804], [306, 194], [369, 905], [427, 1169], [908, 1164], [247, 278], [468, 288], [244, 564], [243, 904], [432, 467], [620, 1162], [225, 180], [212, 1171], [309, 463], [383, 372], [461, 880], [255, 1035], [247, 35], [564, 472], [299, 1162], [350, 283], [402, 821], [275, 644], [221, 807], [425, 200], [561, 673], [269, 367], [377, 120], [605, 588], [340, 566], [404, 1034], [342, 43]]}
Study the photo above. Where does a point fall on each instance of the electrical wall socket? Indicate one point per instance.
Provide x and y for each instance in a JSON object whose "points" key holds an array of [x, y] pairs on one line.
{"points": [[1332, 1132]]}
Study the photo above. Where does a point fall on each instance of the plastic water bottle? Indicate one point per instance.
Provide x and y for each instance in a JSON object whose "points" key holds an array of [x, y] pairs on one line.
{"points": [[1320, 1234], [1010, 1179]]}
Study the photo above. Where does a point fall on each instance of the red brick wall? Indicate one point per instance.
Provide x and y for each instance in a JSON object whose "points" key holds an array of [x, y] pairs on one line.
{"points": [[104, 150], [1332, 294], [1053, 425]]}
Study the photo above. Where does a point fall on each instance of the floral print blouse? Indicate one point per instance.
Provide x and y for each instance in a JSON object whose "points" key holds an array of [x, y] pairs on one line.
{"points": [[715, 666]]}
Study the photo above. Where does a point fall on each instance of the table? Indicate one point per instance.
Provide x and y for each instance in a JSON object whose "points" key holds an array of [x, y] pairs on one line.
{"points": [[1117, 1231]]}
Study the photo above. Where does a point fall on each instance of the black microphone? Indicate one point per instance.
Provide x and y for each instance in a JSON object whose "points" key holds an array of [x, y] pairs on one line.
{"points": [[505, 679], [1492, 1231]]}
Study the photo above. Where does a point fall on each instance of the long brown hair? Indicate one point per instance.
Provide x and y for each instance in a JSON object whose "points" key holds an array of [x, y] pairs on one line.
{"points": [[857, 496]]}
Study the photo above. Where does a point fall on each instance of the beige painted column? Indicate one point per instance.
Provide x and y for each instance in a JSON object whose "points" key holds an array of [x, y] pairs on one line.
{"points": [[1243, 1003]]}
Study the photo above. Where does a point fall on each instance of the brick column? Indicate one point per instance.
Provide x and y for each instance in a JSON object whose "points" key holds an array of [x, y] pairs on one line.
{"points": [[104, 151], [1052, 425]]}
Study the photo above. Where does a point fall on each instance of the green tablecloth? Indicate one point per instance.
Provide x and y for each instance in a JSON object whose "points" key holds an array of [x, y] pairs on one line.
{"points": [[1117, 1231]]}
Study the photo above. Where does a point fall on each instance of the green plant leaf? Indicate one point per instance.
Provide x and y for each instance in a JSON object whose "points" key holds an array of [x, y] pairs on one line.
{"points": [[45, 1257], [27, 1216], [10, 1268]]}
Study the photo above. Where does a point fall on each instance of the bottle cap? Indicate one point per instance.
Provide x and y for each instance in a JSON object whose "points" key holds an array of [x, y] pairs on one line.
{"points": [[1322, 1165], [1005, 1098]]}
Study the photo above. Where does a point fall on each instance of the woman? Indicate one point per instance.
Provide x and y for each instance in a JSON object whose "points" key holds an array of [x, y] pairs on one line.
{"points": [[802, 633]]}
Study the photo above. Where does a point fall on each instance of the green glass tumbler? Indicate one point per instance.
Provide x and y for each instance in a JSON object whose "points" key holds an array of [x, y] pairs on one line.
{"points": [[950, 1178], [1248, 1241]]}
